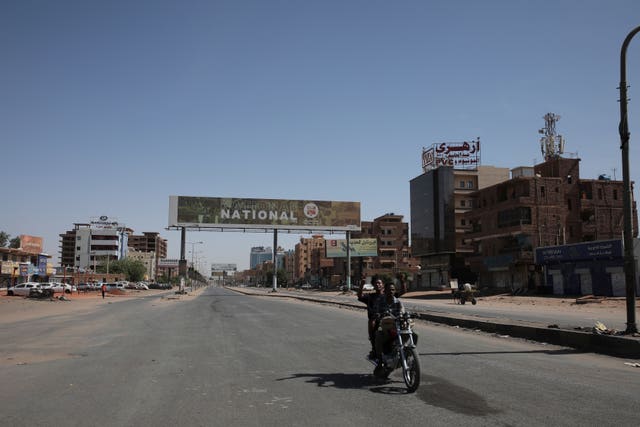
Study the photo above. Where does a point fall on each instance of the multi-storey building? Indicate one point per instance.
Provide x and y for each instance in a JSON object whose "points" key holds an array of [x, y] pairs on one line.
{"points": [[258, 255], [149, 243], [289, 265], [440, 198], [96, 243], [310, 259], [547, 205], [394, 254], [103, 240]]}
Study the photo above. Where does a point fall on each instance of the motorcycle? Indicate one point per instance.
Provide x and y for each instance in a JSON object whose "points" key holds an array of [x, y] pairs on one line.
{"points": [[400, 350]]}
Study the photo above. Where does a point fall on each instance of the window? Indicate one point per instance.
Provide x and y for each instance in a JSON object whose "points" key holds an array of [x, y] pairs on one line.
{"points": [[513, 217], [542, 191], [463, 203], [469, 184], [569, 204], [463, 222], [615, 194], [599, 193], [461, 184]]}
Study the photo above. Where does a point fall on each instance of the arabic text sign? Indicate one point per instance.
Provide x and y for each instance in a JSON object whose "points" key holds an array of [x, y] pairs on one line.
{"points": [[579, 251], [168, 263], [337, 248], [217, 267], [215, 212], [461, 155]]}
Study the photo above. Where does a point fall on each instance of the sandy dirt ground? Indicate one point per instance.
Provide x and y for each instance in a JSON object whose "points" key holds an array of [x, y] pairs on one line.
{"points": [[16, 308]]}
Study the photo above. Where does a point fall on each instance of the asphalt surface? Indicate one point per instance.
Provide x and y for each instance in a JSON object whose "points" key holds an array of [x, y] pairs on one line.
{"points": [[611, 344]]}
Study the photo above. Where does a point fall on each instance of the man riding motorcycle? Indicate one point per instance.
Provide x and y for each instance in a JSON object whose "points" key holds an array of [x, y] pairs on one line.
{"points": [[386, 305], [371, 301]]}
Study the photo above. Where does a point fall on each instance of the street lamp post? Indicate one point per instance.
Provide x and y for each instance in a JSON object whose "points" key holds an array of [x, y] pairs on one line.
{"points": [[193, 245], [623, 129]]}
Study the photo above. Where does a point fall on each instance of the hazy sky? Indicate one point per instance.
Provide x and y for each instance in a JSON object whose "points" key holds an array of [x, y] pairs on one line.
{"points": [[110, 107]]}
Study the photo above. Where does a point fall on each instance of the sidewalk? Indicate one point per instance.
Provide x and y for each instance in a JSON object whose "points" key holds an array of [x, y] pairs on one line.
{"points": [[423, 302]]}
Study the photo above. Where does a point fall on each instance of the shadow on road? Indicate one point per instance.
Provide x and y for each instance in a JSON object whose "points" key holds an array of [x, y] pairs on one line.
{"points": [[550, 352], [337, 380]]}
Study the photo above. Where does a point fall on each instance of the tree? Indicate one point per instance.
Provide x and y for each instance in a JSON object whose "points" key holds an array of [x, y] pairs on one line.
{"points": [[133, 269], [14, 243], [4, 239], [281, 275]]}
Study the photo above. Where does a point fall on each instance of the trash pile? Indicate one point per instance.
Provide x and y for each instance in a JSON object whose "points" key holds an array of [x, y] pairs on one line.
{"points": [[601, 329]]}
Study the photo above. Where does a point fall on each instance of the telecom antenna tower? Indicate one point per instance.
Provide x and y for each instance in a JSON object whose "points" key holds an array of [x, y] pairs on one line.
{"points": [[551, 144]]}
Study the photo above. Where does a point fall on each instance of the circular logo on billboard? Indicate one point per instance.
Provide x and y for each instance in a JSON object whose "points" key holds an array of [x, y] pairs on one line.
{"points": [[104, 218], [311, 210]]}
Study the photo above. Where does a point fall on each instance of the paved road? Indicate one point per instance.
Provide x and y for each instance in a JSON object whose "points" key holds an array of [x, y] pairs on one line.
{"points": [[548, 320], [223, 358], [566, 315]]}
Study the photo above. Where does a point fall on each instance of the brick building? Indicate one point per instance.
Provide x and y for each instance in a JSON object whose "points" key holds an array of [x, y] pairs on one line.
{"points": [[310, 261], [546, 205], [394, 253]]}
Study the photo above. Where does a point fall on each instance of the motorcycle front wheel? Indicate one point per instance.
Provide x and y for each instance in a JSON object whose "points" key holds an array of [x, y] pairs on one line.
{"points": [[411, 375]]}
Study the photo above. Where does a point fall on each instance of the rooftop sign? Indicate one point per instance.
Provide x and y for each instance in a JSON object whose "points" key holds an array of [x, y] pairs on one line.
{"points": [[460, 155]]}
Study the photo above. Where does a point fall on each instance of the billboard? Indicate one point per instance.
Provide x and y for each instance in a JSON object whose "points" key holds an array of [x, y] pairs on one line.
{"points": [[460, 155], [31, 244], [337, 248], [168, 263], [217, 267], [217, 212]]}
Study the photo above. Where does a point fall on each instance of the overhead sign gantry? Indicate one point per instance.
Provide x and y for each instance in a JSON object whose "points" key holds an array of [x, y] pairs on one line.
{"points": [[263, 215]]}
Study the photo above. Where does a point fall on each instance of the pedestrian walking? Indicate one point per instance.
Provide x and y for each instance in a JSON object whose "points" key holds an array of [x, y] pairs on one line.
{"points": [[103, 288]]}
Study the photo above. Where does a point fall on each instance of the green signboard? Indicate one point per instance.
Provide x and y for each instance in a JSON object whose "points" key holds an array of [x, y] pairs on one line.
{"points": [[337, 248]]}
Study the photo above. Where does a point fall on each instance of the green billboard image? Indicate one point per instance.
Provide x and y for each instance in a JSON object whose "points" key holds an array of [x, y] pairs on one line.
{"points": [[219, 212]]}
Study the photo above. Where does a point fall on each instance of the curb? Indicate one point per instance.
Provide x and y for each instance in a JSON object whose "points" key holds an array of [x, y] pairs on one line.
{"points": [[611, 345]]}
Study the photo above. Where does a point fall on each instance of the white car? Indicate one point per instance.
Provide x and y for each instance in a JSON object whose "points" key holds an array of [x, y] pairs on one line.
{"points": [[58, 287], [23, 289], [113, 286]]}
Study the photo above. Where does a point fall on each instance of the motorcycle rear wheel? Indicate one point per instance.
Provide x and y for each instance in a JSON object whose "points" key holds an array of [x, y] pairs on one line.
{"points": [[411, 375]]}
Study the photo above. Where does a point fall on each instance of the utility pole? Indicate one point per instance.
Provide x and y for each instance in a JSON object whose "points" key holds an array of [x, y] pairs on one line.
{"points": [[623, 129]]}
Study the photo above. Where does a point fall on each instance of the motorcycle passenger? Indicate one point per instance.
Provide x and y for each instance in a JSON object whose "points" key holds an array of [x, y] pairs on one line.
{"points": [[371, 301], [385, 305]]}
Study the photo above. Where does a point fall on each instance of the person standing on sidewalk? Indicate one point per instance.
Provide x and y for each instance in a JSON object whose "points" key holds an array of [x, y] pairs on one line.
{"points": [[103, 288]]}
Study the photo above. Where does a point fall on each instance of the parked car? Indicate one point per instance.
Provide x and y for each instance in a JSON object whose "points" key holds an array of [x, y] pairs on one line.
{"points": [[87, 287], [114, 286], [58, 287], [23, 289]]}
